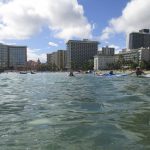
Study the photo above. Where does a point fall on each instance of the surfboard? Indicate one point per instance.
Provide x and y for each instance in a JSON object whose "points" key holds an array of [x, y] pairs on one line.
{"points": [[145, 76], [109, 75]]}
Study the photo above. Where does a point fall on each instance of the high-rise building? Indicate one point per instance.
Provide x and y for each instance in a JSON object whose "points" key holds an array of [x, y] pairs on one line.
{"points": [[52, 58], [12, 56], [3, 56], [61, 59], [108, 51], [58, 59], [80, 52], [139, 39], [17, 56], [49, 58]]}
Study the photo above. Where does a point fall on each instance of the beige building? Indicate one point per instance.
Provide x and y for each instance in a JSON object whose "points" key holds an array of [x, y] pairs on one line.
{"points": [[52, 58], [61, 59], [49, 58], [58, 58]]}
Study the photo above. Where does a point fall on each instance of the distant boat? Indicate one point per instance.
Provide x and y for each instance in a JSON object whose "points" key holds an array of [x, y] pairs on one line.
{"points": [[23, 72]]}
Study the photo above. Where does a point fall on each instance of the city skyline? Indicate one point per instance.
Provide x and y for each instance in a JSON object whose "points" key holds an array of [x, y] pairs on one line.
{"points": [[45, 27]]}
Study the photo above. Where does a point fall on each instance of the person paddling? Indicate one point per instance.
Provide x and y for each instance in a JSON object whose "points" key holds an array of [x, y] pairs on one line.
{"points": [[138, 71], [111, 73], [71, 73]]}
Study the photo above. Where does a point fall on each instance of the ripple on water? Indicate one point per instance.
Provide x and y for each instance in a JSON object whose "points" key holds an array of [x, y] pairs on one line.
{"points": [[53, 111], [3, 85]]}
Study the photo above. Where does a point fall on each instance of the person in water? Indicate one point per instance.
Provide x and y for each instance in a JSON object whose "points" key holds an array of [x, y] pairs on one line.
{"points": [[138, 71], [111, 72], [71, 74]]}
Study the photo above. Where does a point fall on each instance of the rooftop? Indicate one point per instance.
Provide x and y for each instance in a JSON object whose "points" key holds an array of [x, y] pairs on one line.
{"points": [[83, 41]]}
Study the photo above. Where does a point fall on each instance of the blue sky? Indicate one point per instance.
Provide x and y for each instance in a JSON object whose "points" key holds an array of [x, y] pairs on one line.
{"points": [[45, 26]]}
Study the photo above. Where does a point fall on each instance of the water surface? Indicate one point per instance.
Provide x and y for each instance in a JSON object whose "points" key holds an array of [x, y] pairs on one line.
{"points": [[51, 111]]}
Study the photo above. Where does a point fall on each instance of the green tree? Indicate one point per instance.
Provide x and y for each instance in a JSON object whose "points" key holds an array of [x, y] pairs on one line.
{"points": [[145, 64], [73, 65], [54, 67], [89, 65], [133, 65], [121, 61]]}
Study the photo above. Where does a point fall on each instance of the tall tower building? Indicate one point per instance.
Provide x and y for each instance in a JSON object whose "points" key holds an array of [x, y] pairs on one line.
{"points": [[61, 59], [49, 58], [80, 52], [3, 56], [17, 56], [108, 51], [13, 56], [58, 58], [139, 39]]}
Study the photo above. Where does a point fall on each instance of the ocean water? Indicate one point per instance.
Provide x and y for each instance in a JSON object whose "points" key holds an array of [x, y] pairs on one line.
{"points": [[51, 111]]}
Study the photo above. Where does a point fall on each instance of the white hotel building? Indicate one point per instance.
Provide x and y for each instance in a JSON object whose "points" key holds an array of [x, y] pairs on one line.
{"points": [[101, 61], [104, 58]]}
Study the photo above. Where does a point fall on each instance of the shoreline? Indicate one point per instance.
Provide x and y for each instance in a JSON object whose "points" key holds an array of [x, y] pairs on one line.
{"points": [[121, 71]]}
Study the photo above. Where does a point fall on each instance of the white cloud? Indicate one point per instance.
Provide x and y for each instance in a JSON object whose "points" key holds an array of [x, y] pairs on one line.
{"points": [[106, 33], [7, 43], [135, 16], [34, 54], [53, 44], [20, 19], [93, 26], [2, 42]]}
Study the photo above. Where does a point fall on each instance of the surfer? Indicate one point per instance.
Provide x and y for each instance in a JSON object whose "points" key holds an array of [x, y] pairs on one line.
{"points": [[111, 72], [71, 74], [138, 71]]}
